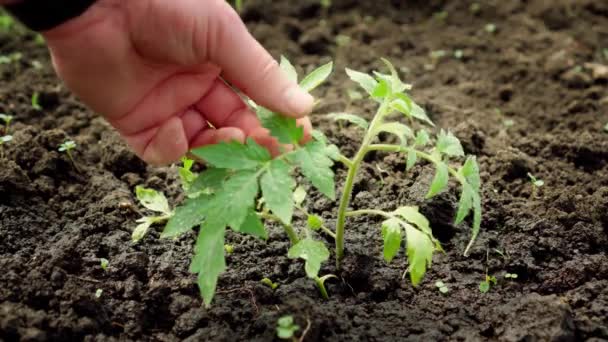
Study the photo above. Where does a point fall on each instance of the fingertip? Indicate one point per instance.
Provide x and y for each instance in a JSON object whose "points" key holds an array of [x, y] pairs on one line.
{"points": [[168, 145], [298, 101]]}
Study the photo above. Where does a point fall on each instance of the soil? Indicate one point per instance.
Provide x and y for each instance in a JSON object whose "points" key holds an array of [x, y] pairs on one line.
{"points": [[528, 97]]}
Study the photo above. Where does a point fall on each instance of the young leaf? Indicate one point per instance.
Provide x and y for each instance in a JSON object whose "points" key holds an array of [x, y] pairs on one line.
{"points": [[207, 182], [283, 128], [316, 166], [396, 84], [400, 130], [286, 327], [152, 199], [449, 145], [299, 195], [289, 69], [413, 216], [419, 253], [142, 228], [318, 76], [422, 138], [402, 106], [186, 216], [470, 171], [277, 184], [366, 81], [233, 201], [233, 155], [186, 175], [253, 226], [354, 119], [391, 234], [465, 204], [382, 90], [314, 222], [420, 114], [411, 160], [208, 259], [440, 181], [314, 252]]}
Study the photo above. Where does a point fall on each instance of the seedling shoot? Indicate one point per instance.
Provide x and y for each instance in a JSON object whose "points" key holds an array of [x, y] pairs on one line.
{"points": [[67, 147]]}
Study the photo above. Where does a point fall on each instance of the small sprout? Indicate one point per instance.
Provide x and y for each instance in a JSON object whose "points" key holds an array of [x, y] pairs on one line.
{"points": [[229, 248], [104, 263], [442, 287], [511, 275], [314, 222], [536, 183], [270, 283], [437, 54], [343, 40], [605, 53], [508, 123], [36, 64], [475, 8], [153, 201], [490, 28], [485, 285], [320, 281], [458, 54], [67, 147], [4, 140], [606, 127], [10, 58], [441, 15], [36, 101], [7, 119], [286, 327], [354, 95], [98, 293]]}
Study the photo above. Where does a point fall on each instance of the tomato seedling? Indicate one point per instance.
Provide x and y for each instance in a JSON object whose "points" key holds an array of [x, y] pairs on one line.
{"points": [[536, 183], [269, 283], [154, 201], [286, 328], [67, 147], [442, 287], [36, 101], [243, 186], [3, 140], [7, 119], [104, 263]]}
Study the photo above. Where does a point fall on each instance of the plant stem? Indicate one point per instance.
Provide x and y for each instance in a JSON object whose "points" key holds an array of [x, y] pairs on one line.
{"points": [[291, 233], [72, 160], [344, 160], [322, 289], [368, 212], [350, 179]]}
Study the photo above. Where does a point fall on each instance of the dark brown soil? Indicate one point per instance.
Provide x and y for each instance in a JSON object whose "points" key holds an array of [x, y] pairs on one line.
{"points": [[524, 99]]}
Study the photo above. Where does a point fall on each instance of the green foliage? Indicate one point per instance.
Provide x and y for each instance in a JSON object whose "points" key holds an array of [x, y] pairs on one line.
{"points": [[313, 252], [36, 101], [270, 283], [485, 285], [229, 248], [511, 275], [11, 58], [286, 327], [104, 263], [442, 287], [98, 293], [154, 201], [66, 146], [536, 182], [5, 139], [314, 222]]}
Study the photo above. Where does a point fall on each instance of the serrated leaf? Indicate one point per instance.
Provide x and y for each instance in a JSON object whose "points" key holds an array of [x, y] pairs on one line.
{"points": [[281, 127], [314, 222], [396, 84], [422, 138], [319, 136], [142, 228], [448, 144], [366, 81], [318, 76], [152, 199], [419, 253], [354, 119], [470, 171], [186, 216], [253, 226], [411, 160], [440, 181], [382, 90], [333, 152], [420, 114], [398, 129], [391, 234], [233, 155], [401, 106], [299, 195], [314, 252], [288, 68], [413, 216], [316, 167], [235, 198], [465, 203], [208, 259], [208, 181], [277, 185]]}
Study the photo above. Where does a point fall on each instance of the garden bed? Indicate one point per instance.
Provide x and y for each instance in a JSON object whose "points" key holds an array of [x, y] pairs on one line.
{"points": [[526, 94]]}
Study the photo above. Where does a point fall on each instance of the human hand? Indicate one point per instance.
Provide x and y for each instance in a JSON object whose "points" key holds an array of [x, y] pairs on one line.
{"points": [[155, 69]]}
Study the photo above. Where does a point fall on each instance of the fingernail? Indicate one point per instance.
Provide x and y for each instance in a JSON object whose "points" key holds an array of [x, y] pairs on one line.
{"points": [[299, 102]]}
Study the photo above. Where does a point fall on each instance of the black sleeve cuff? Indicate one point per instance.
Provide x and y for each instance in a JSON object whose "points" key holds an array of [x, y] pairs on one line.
{"points": [[42, 15]]}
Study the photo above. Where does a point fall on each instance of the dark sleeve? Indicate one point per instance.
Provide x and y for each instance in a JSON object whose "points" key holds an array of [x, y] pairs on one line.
{"points": [[42, 15]]}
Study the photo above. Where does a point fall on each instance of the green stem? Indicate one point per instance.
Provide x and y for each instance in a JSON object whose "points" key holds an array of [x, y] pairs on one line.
{"points": [[291, 233], [350, 178], [322, 289], [72, 160], [344, 160]]}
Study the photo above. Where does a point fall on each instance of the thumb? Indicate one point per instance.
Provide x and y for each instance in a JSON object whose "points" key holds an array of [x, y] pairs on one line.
{"points": [[249, 67]]}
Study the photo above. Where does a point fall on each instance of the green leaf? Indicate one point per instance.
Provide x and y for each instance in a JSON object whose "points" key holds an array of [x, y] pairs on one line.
{"points": [[186, 175], [396, 84], [465, 204], [319, 136], [208, 259], [314, 252], [233, 201], [142, 228], [281, 127], [419, 253], [253, 226], [354, 119], [289, 69], [366, 81], [318, 76], [448, 144], [411, 160], [233, 155], [391, 234], [402, 106], [286, 327], [299, 195], [207, 182], [314, 222], [277, 185], [420, 114], [484, 286], [316, 167], [422, 138], [152, 199], [400, 130], [186, 216], [382, 90], [470, 171], [413, 216], [440, 181]]}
